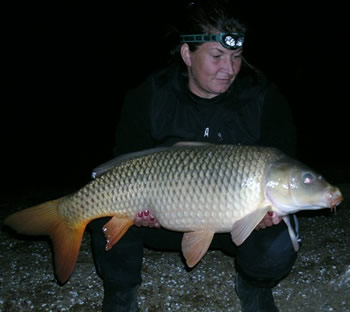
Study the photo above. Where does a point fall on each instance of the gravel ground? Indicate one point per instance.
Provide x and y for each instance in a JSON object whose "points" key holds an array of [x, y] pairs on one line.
{"points": [[320, 280]]}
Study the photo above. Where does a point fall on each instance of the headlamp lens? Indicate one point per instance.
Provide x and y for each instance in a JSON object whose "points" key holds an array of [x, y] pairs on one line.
{"points": [[232, 41]]}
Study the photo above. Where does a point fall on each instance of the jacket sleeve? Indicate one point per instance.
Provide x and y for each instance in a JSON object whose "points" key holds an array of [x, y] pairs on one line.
{"points": [[133, 132], [278, 127]]}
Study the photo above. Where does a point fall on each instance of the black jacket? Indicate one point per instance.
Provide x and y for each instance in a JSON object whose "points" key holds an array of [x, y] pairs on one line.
{"points": [[162, 111]]}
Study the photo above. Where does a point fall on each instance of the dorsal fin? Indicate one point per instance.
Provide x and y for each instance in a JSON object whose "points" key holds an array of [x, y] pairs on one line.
{"points": [[101, 169], [191, 144]]}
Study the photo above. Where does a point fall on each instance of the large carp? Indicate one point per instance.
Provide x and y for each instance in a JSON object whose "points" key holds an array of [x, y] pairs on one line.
{"points": [[199, 189]]}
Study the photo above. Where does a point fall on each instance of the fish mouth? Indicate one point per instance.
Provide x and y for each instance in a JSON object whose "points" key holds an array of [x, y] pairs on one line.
{"points": [[335, 202], [334, 198]]}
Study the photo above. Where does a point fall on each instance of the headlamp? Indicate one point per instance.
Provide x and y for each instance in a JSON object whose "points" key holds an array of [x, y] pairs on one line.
{"points": [[231, 41]]}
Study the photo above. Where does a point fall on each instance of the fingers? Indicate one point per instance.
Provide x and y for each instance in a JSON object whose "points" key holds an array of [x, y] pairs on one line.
{"points": [[270, 219], [265, 222], [139, 219], [276, 218], [154, 223], [144, 218]]}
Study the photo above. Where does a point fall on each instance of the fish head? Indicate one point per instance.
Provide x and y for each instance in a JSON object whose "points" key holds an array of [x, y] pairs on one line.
{"points": [[292, 186]]}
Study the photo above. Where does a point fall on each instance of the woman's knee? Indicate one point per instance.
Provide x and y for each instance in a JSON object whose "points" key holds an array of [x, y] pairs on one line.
{"points": [[267, 256]]}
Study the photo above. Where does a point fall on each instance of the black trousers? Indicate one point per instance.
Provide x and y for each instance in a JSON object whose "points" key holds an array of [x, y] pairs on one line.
{"points": [[264, 259]]}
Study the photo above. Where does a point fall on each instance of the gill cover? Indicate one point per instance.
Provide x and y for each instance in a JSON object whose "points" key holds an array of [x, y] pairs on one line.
{"points": [[292, 186]]}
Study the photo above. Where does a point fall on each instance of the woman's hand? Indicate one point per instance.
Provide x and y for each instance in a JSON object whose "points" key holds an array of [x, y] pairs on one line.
{"points": [[144, 218], [270, 219]]}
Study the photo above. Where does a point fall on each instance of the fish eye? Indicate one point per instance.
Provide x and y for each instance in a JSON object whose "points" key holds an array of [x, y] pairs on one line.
{"points": [[308, 178]]}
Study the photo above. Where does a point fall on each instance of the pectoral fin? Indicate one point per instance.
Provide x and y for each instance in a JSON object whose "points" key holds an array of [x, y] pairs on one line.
{"points": [[114, 229], [195, 245], [291, 233], [244, 227]]}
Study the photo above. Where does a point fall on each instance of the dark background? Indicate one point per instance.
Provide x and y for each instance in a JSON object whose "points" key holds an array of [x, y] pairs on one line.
{"points": [[66, 67]]}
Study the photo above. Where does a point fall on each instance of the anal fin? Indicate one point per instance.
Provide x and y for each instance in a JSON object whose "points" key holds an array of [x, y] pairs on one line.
{"points": [[114, 230], [195, 245]]}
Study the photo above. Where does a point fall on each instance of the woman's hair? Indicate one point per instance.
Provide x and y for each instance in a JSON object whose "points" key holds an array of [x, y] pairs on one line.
{"points": [[207, 16]]}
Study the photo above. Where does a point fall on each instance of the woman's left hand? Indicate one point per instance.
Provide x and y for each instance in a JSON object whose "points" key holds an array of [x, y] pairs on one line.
{"points": [[270, 219]]}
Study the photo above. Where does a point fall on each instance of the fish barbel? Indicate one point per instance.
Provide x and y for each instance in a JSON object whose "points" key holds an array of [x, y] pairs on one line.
{"points": [[198, 189]]}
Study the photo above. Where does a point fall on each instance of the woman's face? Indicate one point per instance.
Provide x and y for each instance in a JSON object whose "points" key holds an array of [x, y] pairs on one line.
{"points": [[211, 68]]}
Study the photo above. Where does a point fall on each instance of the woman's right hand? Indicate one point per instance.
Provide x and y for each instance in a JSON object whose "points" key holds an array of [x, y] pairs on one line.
{"points": [[144, 218]]}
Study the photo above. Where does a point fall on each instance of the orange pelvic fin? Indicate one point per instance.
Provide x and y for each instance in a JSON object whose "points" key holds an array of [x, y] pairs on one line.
{"points": [[115, 228], [44, 219], [195, 245]]}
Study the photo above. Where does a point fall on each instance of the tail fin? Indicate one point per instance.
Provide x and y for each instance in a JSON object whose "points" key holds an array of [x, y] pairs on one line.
{"points": [[44, 219]]}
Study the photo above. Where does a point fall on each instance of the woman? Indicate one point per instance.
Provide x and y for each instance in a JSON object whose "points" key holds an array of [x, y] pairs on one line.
{"points": [[211, 95]]}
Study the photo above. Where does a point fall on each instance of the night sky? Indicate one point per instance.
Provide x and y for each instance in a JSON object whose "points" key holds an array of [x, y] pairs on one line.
{"points": [[65, 70]]}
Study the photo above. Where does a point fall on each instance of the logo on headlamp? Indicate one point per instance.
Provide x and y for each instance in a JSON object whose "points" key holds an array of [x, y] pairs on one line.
{"points": [[231, 41]]}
